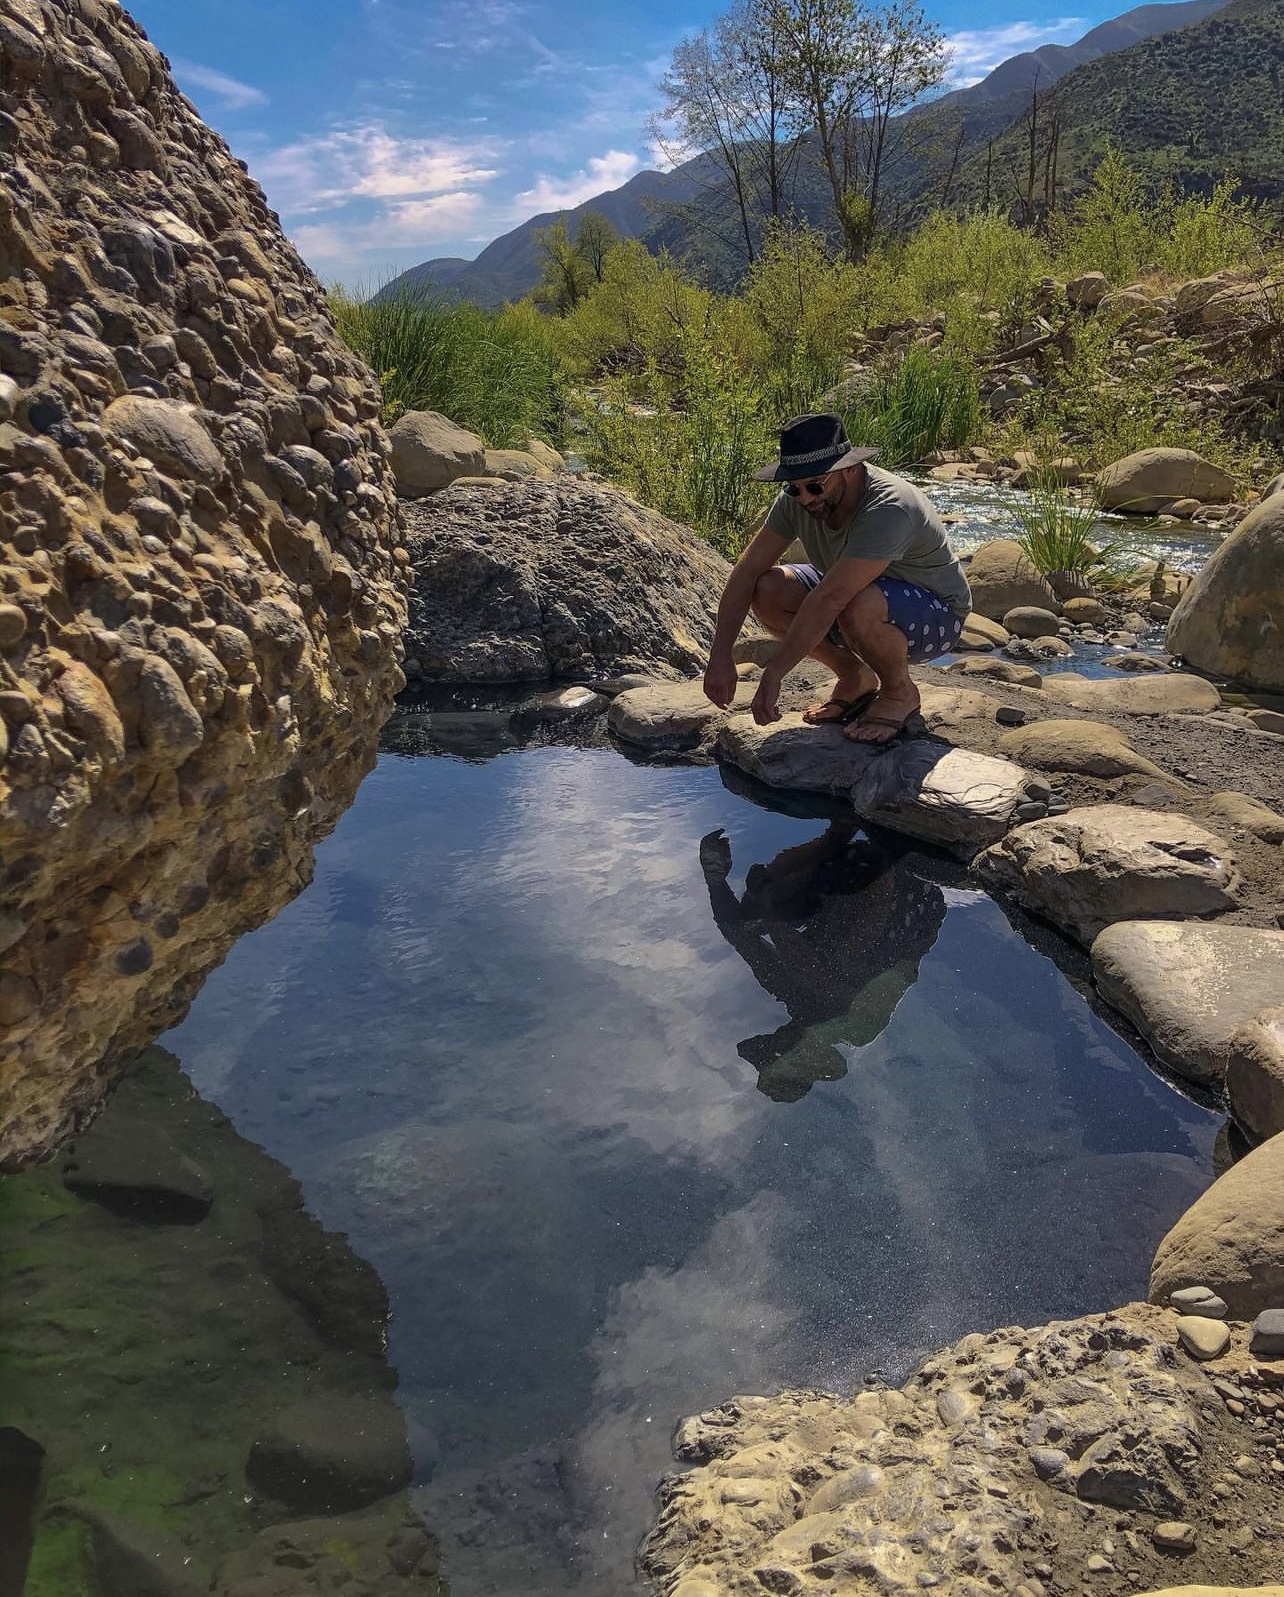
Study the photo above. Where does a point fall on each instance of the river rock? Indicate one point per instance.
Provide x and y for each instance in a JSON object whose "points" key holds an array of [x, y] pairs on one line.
{"points": [[198, 540], [1087, 291], [1255, 1072], [429, 451], [955, 797], [1024, 676], [511, 465], [948, 1503], [665, 716], [1110, 862], [1030, 621], [1231, 1239], [1203, 1338], [1188, 988], [1002, 577], [981, 634], [1091, 748], [331, 1454], [1150, 695], [1227, 621], [792, 754], [1144, 483], [536, 581], [1084, 610], [1267, 1340]]}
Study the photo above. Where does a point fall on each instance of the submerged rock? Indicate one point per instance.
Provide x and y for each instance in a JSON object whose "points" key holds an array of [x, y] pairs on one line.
{"points": [[201, 613], [332, 1454]]}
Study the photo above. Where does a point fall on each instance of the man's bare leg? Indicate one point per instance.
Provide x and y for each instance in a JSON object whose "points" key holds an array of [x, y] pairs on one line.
{"points": [[775, 603], [865, 625]]}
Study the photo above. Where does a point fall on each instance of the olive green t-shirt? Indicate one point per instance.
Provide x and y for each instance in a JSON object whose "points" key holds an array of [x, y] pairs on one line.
{"points": [[892, 522]]}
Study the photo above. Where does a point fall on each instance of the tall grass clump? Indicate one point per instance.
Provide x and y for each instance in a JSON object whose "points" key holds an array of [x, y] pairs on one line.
{"points": [[926, 402], [1057, 533], [688, 446], [497, 373]]}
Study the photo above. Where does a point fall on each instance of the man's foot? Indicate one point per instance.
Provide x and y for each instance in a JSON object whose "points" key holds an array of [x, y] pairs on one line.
{"points": [[885, 720], [842, 706]]}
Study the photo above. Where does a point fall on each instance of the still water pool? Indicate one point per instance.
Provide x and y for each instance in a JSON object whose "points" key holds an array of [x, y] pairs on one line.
{"points": [[638, 1093]]}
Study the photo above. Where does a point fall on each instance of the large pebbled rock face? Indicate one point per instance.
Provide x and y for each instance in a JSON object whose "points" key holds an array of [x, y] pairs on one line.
{"points": [[539, 580], [1228, 620], [199, 622], [972, 1478]]}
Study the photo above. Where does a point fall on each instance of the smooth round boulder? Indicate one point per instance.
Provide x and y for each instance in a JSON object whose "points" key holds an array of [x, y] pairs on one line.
{"points": [[168, 433], [429, 451], [1227, 623], [1002, 576], [1090, 748], [1146, 482], [1084, 609], [1231, 1239], [1030, 621], [980, 635]]}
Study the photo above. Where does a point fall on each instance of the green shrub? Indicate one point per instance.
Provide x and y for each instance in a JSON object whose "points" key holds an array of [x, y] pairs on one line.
{"points": [[636, 318], [688, 448], [1056, 532], [924, 402], [495, 372]]}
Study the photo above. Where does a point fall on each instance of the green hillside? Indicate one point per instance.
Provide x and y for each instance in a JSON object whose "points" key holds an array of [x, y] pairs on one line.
{"points": [[1191, 107]]}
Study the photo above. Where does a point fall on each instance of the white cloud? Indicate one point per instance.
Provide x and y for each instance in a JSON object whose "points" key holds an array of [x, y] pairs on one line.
{"points": [[368, 162], [976, 52], [602, 172], [229, 93]]}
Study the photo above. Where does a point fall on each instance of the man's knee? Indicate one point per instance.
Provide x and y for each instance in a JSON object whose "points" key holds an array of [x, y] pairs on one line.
{"points": [[868, 609], [776, 593]]}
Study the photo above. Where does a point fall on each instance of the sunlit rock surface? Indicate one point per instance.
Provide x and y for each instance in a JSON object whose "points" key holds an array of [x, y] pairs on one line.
{"points": [[199, 622]]}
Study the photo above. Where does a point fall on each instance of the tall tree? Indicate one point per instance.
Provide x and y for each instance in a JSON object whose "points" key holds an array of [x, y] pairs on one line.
{"points": [[570, 266], [857, 67], [727, 94]]}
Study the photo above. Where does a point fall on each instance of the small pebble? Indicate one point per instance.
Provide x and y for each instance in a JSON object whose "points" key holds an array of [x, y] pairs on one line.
{"points": [[1011, 715], [1200, 1300], [1174, 1536], [1203, 1339], [1097, 1565], [1268, 1334]]}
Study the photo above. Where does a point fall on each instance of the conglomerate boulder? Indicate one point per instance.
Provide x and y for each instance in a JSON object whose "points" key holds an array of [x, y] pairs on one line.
{"points": [[199, 611]]}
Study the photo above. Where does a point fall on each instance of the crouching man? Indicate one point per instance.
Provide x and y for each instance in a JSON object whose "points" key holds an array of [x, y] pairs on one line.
{"points": [[881, 587]]}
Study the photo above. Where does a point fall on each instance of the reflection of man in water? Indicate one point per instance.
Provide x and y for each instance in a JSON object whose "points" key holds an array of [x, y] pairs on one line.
{"points": [[834, 929]]}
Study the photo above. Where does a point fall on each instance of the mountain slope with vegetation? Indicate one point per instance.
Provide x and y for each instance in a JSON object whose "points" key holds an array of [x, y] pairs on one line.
{"points": [[1187, 107]]}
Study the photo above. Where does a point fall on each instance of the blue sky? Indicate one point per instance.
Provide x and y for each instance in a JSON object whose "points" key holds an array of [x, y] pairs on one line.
{"points": [[387, 132]]}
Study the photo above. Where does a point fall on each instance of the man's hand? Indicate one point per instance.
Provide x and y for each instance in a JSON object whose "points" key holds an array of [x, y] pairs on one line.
{"points": [[721, 682], [715, 855], [765, 704]]}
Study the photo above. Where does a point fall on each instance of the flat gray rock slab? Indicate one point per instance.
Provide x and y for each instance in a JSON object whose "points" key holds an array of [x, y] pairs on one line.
{"points": [[1112, 862], [1162, 694], [1187, 988], [669, 715], [793, 754], [955, 797], [921, 787]]}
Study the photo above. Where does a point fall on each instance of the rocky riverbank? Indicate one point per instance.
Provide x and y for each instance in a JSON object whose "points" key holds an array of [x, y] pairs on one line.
{"points": [[200, 608]]}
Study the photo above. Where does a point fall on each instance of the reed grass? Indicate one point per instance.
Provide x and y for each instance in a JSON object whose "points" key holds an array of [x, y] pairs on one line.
{"points": [[925, 402], [1057, 533], [493, 372]]}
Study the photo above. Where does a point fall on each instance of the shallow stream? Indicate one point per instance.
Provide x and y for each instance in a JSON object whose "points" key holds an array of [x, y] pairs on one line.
{"points": [[638, 1089]]}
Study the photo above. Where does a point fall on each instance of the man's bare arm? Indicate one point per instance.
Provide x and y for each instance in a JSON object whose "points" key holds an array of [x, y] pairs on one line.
{"points": [[763, 551]]}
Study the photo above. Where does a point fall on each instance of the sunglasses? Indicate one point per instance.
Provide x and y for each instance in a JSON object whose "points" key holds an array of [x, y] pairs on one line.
{"points": [[813, 489]]}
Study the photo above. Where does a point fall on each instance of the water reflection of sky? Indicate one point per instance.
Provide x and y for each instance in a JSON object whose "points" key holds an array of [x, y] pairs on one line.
{"points": [[499, 1041]]}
